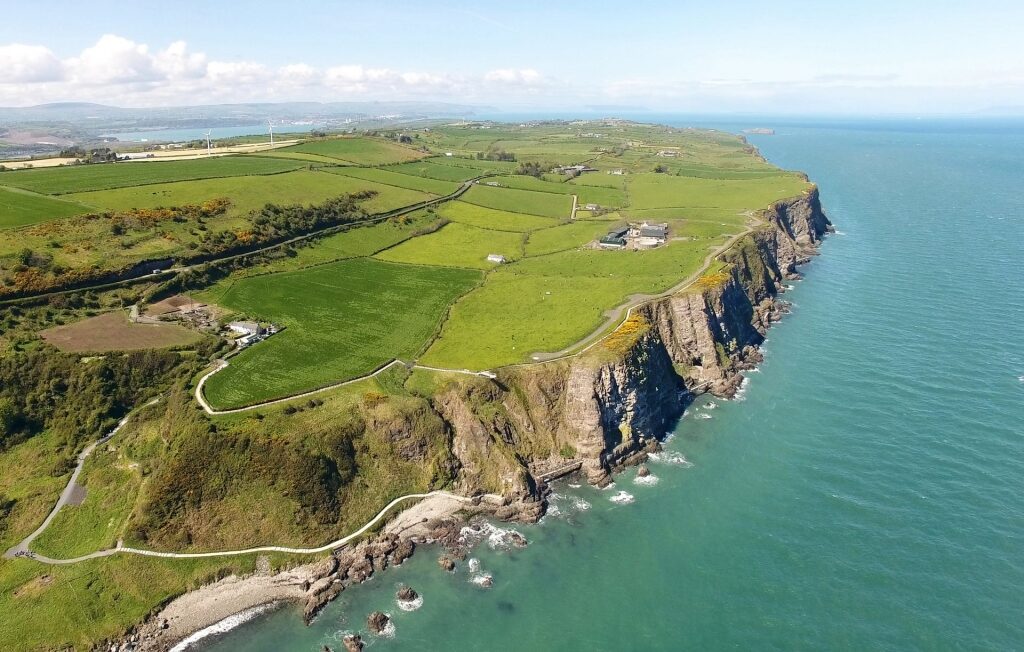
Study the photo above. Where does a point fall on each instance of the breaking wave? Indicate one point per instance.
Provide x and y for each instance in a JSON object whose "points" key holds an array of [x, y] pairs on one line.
{"points": [[622, 498], [223, 626]]}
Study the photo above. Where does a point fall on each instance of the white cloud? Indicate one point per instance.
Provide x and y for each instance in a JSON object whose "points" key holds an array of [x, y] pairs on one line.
{"points": [[119, 70], [113, 60], [28, 64], [513, 76]]}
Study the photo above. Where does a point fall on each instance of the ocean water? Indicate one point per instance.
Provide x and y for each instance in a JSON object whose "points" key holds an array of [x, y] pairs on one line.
{"points": [[865, 492]]}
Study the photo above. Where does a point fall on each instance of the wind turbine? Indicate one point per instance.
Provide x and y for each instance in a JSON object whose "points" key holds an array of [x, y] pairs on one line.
{"points": [[271, 125], [208, 152]]}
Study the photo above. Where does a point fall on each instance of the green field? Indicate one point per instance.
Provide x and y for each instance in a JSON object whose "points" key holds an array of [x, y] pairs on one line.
{"points": [[604, 196], [661, 190], [342, 320], [520, 201], [359, 151], [22, 208], [458, 245], [431, 169], [564, 236], [558, 300], [490, 218], [250, 193], [388, 177], [83, 178]]}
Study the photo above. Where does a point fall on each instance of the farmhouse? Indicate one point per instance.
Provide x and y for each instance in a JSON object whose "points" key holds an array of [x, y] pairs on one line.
{"points": [[617, 172], [652, 235], [495, 258], [592, 207], [667, 153], [246, 328]]}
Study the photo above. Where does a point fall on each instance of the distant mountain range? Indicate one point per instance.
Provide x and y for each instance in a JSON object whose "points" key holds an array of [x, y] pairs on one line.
{"points": [[88, 115]]}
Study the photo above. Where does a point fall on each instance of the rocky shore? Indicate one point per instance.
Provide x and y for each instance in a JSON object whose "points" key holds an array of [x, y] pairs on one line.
{"points": [[609, 407]]}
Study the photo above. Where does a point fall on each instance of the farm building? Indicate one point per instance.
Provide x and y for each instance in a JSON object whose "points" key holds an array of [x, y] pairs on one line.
{"points": [[612, 242], [495, 258], [246, 328], [619, 232], [652, 235], [617, 172], [592, 207]]}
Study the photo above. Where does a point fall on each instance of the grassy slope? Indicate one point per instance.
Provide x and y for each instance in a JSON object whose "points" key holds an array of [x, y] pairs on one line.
{"points": [[83, 178], [343, 319], [22, 209]]}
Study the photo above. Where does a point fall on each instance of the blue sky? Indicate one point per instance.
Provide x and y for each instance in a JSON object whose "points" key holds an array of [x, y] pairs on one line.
{"points": [[785, 56]]}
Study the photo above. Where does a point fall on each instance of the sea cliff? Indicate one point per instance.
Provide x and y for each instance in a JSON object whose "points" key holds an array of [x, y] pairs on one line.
{"points": [[615, 401], [604, 408]]}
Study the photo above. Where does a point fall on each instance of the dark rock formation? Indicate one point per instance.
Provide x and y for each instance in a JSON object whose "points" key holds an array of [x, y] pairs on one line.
{"points": [[446, 563], [643, 471], [406, 594], [377, 621], [353, 643]]}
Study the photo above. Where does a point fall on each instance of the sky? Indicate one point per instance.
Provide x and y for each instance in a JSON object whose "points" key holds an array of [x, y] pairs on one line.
{"points": [[783, 57]]}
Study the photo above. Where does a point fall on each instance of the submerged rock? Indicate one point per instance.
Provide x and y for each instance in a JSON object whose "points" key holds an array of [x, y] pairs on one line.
{"points": [[377, 621], [407, 594]]}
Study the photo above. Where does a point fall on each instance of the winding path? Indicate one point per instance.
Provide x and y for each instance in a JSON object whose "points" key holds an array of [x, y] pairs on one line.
{"points": [[22, 548], [120, 549]]}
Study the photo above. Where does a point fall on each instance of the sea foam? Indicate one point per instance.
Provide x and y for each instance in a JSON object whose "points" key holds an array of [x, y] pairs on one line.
{"points": [[223, 626]]}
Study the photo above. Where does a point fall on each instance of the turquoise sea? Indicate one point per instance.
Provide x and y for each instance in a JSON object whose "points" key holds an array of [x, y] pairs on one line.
{"points": [[866, 492]]}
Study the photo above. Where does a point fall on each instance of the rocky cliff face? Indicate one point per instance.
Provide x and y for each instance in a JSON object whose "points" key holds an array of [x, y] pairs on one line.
{"points": [[610, 405]]}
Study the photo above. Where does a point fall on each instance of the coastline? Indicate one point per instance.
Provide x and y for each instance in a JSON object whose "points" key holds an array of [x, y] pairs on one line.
{"points": [[650, 392]]}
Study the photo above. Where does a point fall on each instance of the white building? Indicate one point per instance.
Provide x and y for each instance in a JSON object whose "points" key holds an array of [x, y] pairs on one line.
{"points": [[496, 258], [245, 327]]}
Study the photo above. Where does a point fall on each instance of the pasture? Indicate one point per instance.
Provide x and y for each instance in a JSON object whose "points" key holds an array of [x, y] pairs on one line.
{"points": [[357, 150], [564, 236], [546, 204], [458, 245], [558, 299], [103, 176], [662, 191], [249, 193], [342, 320], [22, 208], [432, 169], [490, 218], [389, 177], [112, 331]]}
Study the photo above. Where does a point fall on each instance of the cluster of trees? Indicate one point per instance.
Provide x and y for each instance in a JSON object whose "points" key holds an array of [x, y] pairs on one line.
{"points": [[84, 156], [147, 218], [534, 168], [495, 154], [271, 224], [45, 390], [274, 223]]}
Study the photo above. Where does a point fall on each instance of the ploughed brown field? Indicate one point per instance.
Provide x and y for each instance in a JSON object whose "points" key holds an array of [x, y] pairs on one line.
{"points": [[113, 332]]}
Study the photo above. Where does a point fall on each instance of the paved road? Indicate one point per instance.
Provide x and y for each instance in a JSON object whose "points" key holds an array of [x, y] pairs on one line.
{"points": [[23, 547]]}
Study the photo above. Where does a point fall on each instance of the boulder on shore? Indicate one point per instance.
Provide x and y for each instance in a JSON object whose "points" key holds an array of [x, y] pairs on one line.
{"points": [[407, 594], [377, 621]]}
